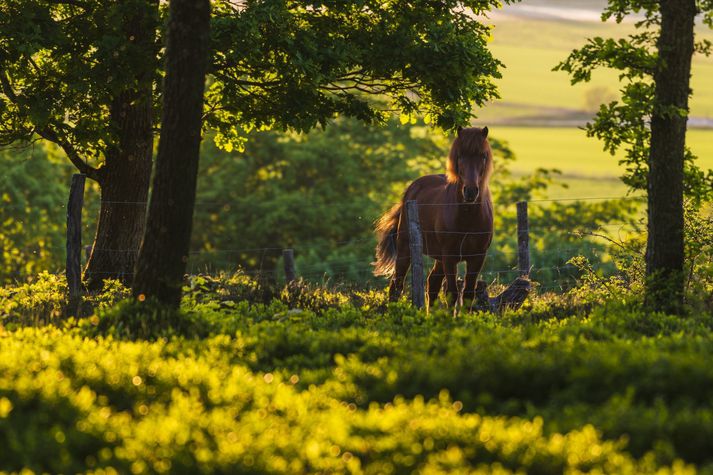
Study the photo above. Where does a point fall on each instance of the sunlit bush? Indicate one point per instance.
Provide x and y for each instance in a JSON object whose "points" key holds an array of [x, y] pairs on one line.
{"points": [[69, 404]]}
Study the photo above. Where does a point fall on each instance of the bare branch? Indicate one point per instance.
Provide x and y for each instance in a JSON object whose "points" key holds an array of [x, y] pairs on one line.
{"points": [[49, 134]]}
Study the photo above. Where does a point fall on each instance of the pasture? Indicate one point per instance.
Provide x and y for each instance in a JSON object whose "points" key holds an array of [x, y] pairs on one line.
{"points": [[529, 87], [539, 111], [586, 168]]}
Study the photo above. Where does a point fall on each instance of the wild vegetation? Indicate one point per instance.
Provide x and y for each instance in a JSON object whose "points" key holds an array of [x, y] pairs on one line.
{"points": [[257, 378]]}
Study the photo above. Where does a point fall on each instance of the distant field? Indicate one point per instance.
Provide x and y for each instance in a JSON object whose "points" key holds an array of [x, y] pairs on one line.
{"points": [[530, 45], [530, 39], [585, 166]]}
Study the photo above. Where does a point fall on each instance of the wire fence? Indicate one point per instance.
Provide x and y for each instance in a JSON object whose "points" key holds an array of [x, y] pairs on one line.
{"points": [[550, 265]]}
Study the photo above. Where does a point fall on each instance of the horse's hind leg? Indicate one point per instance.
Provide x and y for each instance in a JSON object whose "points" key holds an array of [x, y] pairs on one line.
{"points": [[435, 282], [403, 262], [450, 269]]}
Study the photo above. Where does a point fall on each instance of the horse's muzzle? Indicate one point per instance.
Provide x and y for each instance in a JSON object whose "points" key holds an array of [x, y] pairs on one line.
{"points": [[470, 194]]}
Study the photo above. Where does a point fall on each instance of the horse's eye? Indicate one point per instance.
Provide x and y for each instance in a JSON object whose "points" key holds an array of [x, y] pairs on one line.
{"points": [[485, 157]]}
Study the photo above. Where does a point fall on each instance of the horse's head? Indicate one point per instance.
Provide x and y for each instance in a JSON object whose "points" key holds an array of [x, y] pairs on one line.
{"points": [[470, 163]]}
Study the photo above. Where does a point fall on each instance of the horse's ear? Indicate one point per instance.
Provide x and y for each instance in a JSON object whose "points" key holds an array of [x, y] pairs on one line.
{"points": [[485, 132], [460, 129]]}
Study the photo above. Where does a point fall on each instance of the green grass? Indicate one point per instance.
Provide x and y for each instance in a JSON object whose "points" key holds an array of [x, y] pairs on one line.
{"points": [[530, 48], [588, 169]]}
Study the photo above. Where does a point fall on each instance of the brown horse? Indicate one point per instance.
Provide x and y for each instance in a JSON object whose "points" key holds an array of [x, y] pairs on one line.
{"points": [[456, 216]]}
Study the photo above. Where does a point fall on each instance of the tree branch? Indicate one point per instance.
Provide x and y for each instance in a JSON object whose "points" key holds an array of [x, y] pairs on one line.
{"points": [[7, 87], [48, 134]]}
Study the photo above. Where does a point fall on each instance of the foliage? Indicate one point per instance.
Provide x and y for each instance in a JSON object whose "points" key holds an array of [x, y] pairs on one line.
{"points": [[34, 186], [699, 254], [43, 299], [65, 63], [346, 383], [147, 319], [628, 257], [151, 407], [625, 122], [31, 213]]}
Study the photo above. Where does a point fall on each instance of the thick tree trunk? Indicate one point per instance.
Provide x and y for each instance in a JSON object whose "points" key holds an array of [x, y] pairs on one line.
{"points": [[124, 178], [164, 251], [664, 252], [124, 182]]}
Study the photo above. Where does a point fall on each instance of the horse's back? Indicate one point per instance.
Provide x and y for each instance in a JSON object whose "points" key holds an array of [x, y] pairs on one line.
{"points": [[426, 188]]}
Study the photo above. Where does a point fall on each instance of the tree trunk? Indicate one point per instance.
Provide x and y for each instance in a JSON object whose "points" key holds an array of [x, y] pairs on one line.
{"points": [[124, 178], [664, 250], [164, 251], [124, 182]]}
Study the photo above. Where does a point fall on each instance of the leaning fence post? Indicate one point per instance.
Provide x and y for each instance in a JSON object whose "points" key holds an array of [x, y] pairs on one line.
{"points": [[416, 245], [74, 237], [523, 239], [288, 257]]}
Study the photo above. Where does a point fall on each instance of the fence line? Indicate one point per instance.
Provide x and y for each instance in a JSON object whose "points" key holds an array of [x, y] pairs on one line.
{"points": [[278, 251], [228, 203], [417, 248], [548, 200], [552, 284]]}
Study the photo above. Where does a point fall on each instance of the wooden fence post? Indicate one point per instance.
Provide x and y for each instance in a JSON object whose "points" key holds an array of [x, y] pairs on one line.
{"points": [[523, 239], [418, 296], [288, 257], [74, 238]]}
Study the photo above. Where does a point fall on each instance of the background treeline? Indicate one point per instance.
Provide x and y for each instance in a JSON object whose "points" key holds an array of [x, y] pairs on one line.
{"points": [[318, 193]]}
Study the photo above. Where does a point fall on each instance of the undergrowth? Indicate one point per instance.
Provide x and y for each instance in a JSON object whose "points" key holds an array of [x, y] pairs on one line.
{"points": [[253, 378]]}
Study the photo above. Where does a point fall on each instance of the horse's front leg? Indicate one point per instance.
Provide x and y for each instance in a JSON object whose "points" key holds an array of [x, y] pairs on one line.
{"points": [[474, 265], [450, 269], [435, 282]]}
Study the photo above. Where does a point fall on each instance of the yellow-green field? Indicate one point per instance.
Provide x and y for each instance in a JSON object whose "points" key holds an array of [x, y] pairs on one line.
{"points": [[530, 47], [533, 96], [586, 168]]}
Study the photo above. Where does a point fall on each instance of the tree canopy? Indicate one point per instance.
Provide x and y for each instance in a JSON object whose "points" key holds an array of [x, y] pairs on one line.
{"points": [[63, 63], [275, 63]]}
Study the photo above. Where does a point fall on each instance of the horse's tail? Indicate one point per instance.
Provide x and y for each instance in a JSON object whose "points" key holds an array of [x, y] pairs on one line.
{"points": [[386, 231]]}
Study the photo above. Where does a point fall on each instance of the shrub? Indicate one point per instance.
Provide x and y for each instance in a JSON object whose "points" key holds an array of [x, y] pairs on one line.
{"points": [[121, 406]]}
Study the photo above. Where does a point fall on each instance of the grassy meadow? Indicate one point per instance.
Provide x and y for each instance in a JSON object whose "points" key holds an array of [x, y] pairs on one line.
{"points": [[540, 112], [586, 168]]}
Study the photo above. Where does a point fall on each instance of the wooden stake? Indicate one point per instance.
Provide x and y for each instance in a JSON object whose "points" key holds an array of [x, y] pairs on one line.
{"points": [[418, 295], [288, 257], [523, 239], [74, 238]]}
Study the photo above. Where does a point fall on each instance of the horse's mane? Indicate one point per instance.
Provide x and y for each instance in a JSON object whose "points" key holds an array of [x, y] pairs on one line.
{"points": [[470, 141]]}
